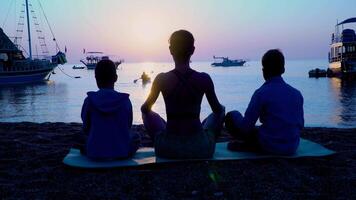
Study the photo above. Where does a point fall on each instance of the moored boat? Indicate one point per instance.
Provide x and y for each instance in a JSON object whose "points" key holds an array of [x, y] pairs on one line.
{"points": [[226, 62], [15, 68], [342, 55], [316, 73], [92, 58], [77, 67]]}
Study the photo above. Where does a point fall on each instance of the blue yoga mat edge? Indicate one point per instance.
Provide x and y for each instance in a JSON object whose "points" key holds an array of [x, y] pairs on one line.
{"points": [[146, 156]]}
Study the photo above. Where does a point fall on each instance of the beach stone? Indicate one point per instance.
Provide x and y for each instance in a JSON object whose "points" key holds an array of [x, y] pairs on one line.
{"points": [[31, 167], [218, 194]]}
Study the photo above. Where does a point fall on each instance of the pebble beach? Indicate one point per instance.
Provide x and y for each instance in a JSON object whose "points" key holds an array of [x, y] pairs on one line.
{"points": [[31, 167]]}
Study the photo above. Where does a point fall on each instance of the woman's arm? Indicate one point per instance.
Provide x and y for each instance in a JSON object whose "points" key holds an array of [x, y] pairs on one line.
{"points": [[211, 96], [152, 97]]}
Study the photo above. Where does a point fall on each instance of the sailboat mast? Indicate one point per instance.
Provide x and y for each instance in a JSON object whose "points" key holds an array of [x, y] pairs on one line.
{"points": [[29, 30]]}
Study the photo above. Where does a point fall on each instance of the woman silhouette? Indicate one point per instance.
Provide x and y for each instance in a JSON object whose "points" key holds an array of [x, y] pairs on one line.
{"points": [[183, 135]]}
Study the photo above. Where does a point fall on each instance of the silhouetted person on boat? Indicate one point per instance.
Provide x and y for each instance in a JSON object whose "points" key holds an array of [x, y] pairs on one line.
{"points": [[183, 136], [107, 118], [279, 107]]}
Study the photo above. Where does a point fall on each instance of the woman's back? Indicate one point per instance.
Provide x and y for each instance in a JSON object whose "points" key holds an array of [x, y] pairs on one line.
{"points": [[183, 93], [183, 90]]}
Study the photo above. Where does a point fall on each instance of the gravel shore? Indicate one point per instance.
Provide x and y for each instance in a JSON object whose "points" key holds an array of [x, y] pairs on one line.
{"points": [[31, 168]]}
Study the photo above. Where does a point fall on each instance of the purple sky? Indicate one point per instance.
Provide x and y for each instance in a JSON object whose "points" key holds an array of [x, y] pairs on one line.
{"points": [[139, 30]]}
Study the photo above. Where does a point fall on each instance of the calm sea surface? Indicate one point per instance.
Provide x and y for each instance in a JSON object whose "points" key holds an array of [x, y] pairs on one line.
{"points": [[327, 102]]}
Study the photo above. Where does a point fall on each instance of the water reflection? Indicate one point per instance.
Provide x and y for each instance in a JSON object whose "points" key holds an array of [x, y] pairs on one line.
{"points": [[32, 102], [327, 102], [344, 91]]}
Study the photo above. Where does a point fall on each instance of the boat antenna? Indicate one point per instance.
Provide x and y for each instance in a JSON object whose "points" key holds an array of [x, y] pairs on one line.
{"points": [[49, 25], [28, 30], [337, 30]]}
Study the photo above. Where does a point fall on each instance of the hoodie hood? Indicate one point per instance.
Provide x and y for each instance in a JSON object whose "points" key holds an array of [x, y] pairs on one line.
{"points": [[107, 100]]}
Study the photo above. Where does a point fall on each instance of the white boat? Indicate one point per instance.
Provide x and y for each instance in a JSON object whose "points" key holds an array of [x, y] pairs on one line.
{"points": [[15, 67], [342, 55], [226, 62], [93, 57]]}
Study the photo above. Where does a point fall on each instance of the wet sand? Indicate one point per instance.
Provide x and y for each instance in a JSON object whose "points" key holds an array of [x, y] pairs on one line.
{"points": [[31, 168]]}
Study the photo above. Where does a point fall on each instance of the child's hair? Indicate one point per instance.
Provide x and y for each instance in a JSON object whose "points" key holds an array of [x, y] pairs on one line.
{"points": [[105, 72]]}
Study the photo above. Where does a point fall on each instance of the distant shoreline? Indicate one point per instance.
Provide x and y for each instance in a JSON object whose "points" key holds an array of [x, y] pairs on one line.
{"points": [[31, 168]]}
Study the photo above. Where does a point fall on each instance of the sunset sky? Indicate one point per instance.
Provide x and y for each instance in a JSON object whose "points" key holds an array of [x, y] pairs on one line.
{"points": [[138, 30]]}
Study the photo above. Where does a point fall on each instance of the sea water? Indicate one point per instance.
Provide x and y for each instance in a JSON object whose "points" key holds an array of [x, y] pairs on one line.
{"points": [[328, 102]]}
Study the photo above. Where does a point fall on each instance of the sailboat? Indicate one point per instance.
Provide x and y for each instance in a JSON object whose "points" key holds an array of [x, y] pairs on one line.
{"points": [[15, 68]]}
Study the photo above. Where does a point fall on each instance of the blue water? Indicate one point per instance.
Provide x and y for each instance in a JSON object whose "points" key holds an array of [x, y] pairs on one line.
{"points": [[327, 102]]}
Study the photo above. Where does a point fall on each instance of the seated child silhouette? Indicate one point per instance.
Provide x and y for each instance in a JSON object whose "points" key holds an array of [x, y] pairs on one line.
{"points": [[107, 118]]}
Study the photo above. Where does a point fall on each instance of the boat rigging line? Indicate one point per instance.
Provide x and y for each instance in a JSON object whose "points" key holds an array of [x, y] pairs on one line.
{"points": [[68, 74], [54, 39], [8, 13], [49, 25]]}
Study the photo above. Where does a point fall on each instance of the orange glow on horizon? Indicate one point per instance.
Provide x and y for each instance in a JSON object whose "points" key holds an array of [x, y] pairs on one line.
{"points": [[148, 34]]}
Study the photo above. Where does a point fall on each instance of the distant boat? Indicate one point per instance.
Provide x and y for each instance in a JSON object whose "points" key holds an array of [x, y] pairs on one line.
{"points": [[94, 57], [15, 67], [77, 67], [226, 62], [317, 73], [342, 54]]}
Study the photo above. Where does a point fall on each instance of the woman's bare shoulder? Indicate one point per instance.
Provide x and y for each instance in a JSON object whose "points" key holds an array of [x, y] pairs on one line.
{"points": [[163, 77], [203, 77]]}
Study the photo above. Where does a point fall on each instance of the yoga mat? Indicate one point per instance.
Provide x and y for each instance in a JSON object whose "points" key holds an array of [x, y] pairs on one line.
{"points": [[147, 156]]}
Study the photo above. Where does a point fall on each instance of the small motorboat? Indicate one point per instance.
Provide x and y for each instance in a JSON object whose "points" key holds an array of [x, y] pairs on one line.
{"points": [[226, 62], [78, 67], [316, 73]]}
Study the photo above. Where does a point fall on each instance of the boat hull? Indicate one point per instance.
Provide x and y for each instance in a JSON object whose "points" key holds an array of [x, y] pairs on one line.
{"points": [[20, 78], [228, 65], [340, 69], [91, 66]]}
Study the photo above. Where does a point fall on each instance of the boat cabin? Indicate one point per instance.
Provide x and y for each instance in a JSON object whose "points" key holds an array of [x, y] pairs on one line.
{"points": [[342, 54], [94, 57], [343, 46]]}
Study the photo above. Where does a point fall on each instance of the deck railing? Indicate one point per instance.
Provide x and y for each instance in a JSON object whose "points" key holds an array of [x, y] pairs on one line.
{"points": [[340, 58]]}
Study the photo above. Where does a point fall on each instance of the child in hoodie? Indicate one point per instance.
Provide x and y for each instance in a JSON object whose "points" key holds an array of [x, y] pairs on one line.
{"points": [[107, 118]]}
